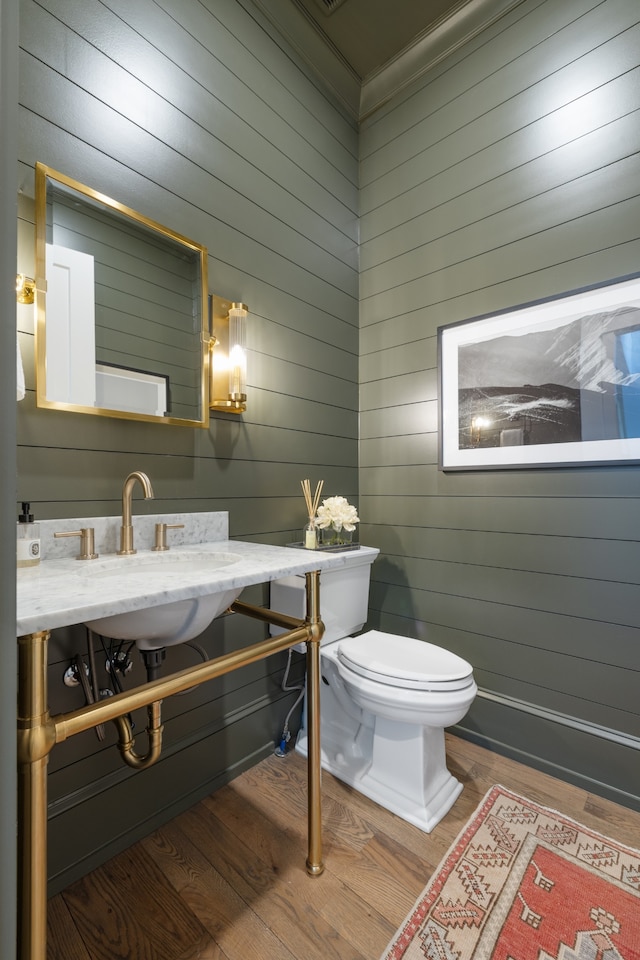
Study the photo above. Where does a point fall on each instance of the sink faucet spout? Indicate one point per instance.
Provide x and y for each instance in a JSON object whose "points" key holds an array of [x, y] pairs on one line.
{"points": [[126, 530]]}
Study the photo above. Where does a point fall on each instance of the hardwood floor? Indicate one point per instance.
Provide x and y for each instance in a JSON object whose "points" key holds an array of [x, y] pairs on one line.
{"points": [[226, 880]]}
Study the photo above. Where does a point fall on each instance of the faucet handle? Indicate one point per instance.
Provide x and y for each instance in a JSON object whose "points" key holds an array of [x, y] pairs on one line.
{"points": [[161, 534], [87, 544]]}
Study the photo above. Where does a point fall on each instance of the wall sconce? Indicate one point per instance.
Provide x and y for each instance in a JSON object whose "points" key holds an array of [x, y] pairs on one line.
{"points": [[227, 355], [25, 289]]}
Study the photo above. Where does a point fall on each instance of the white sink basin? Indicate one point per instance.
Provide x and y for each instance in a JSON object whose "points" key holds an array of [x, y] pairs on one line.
{"points": [[163, 624]]}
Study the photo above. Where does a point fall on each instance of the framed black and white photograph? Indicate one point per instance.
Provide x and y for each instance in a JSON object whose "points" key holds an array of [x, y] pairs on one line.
{"points": [[550, 383]]}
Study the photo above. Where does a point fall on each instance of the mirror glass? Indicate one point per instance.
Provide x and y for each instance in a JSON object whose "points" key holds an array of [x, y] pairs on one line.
{"points": [[122, 326]]}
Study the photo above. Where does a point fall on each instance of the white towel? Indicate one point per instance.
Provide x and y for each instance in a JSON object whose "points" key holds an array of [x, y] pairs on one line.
{"points": [[19, 372]]}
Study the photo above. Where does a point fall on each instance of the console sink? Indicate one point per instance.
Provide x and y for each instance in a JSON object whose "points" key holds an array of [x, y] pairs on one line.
{"points": [[163, 624], [157, 564]]}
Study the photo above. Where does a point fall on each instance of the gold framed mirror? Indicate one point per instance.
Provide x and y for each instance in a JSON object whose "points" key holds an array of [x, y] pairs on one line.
{"points": [[121, 309]]}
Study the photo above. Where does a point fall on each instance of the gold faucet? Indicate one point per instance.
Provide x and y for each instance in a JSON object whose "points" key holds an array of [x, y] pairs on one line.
{"points": [[126, 530]]}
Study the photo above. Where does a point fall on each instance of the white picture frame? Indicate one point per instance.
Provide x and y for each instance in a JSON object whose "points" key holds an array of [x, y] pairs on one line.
{"points": [[545, 384]]}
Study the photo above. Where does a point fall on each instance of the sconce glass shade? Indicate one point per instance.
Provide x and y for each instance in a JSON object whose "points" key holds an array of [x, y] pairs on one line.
{"points": [[25, 289], [228, 356]]}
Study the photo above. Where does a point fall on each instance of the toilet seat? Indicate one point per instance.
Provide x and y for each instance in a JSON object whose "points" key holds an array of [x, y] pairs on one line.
{"points": [[404, 662]]}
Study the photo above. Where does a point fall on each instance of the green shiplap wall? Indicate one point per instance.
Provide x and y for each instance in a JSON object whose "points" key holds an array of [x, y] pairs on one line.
{"points": [[507, 173], [196, 115], [510, 172]]}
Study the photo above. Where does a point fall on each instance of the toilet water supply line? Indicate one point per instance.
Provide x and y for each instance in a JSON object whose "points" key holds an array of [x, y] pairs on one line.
{"points": [[285, 736]]}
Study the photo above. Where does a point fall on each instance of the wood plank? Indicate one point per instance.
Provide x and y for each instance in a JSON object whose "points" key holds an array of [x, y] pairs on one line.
{"points": [[568, 596], [277, 888], [413, 481], [351, 838], [608, 767], [448, 613], [495, 88], [572, 240], [593, 559], [63, 937], [463, 189], [411, 387], [412, 448], [448, 303], [102, 906], [129, 809], [491, 57], [225, 912], [200, 90], [231, 869], [256, 249], [271, 72], [484, 768], [293, 429], [410, 418], [447, 241], [399, 359], [74, 471], [246, 221], [264, 794], [602, 518]]}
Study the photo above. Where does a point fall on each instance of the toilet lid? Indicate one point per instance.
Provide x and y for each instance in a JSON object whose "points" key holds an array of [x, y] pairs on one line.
{"points": [[404, 662]]}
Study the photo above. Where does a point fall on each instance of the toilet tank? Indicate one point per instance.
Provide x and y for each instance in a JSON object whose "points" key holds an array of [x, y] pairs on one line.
{"points": [[344, 597]]}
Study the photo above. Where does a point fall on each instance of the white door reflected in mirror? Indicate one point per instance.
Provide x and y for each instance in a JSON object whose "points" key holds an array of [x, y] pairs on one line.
{"points": [[70, 330]]}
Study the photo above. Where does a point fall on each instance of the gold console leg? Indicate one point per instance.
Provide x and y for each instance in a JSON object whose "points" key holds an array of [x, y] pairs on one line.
{"points": [[35, 739], [315, 865], [38, 733]]}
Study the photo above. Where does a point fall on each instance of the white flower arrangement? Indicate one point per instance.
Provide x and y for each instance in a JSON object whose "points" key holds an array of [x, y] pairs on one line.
{"points": [[337, 513]]}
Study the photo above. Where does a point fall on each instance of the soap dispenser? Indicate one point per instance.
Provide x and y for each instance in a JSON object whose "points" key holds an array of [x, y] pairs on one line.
{"points": [[28, 538]]}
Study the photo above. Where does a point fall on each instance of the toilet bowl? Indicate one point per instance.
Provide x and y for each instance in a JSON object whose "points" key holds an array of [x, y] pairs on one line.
{"points": [[385, 701]]}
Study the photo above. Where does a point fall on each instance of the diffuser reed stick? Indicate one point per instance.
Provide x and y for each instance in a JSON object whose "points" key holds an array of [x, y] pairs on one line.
{"points": [[312, 504]]}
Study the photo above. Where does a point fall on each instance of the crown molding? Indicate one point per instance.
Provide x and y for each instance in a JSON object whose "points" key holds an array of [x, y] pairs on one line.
{"points": [[460, 26], [295, 25], [361, 99]]}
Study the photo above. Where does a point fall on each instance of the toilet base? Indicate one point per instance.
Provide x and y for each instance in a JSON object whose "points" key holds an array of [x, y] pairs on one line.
{"points": [[400, 766]]}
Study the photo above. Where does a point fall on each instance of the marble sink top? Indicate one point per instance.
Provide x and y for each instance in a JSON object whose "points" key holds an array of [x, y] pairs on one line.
{"points": [[61, 592], [151, 564]]}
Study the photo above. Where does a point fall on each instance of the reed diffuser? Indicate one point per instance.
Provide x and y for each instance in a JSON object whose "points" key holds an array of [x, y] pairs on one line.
{"points": [[310, 536]]}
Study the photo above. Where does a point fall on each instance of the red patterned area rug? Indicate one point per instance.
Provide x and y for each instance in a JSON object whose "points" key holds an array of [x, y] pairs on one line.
{"points": [[522, 882]]}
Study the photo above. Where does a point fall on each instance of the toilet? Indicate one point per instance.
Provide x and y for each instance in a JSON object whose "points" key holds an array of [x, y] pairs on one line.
{"points": [[385, 700]]}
